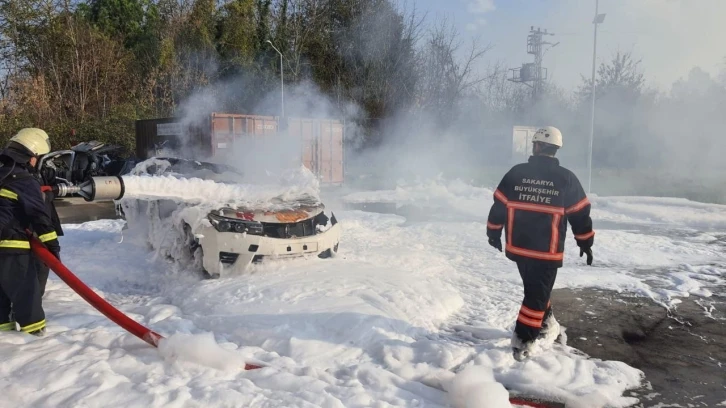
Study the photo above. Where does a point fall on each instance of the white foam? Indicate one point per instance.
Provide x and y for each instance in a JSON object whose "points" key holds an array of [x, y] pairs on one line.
{"points": [[459, 197], [386, 323], [299, 184], [200, 349], [475, 387]]}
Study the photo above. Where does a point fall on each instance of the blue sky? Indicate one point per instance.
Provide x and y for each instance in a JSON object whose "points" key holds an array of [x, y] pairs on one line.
{"points": [[671, 36]]}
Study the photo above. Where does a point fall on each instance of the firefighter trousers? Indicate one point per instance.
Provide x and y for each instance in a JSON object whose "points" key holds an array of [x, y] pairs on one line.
{"points": [[42, 272], [20, 299], [538, 280]]}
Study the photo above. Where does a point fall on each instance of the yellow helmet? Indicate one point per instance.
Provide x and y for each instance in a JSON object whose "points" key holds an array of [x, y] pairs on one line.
{"points": [[33, 139]]}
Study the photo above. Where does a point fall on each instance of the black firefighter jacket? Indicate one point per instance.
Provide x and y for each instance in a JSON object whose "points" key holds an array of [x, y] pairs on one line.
{"points": [[22, 207], [532, 205], [49, 195]]}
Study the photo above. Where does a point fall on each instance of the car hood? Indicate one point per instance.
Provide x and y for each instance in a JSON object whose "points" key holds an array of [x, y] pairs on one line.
{"points": [[279, 216], [286, 212]]}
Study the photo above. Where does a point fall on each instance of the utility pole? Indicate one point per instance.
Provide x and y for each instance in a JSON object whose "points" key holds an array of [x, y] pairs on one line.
{"points": [[282, 80], [534, 47], [599, 19], [533, 74]]}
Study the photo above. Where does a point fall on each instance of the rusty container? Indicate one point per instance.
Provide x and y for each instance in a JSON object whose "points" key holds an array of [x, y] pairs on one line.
{"points": [[321, 147]]}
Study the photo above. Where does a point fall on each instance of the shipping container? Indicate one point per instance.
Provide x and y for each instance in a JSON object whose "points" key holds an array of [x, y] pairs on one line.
{"points": [[226, 128], [322, 147], [320, 141], [522, 142], [150, 132], [169, 134]]}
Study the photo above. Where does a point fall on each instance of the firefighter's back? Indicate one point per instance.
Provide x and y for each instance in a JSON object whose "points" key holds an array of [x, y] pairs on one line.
{"points": [[539, 196]]}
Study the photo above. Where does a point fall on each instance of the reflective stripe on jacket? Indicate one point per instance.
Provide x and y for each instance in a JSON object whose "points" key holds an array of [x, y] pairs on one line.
{"points": [[23, 207], [533, 204]]}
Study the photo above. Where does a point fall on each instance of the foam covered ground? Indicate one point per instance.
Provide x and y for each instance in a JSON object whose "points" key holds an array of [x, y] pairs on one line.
{"points": [[384, 324], [463, 199]]}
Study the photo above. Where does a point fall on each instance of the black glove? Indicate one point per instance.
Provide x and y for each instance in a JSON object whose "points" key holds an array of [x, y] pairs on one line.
{"points": [[48, 176], [587, 251], [496, 243]]}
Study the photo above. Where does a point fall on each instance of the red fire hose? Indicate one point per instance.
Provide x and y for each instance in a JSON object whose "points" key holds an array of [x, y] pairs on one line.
{"points": [[534, 404], [96, 301]]}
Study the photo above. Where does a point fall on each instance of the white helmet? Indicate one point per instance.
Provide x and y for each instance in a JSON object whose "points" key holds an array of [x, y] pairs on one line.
{"points": [[33, 139], [548, 134]]}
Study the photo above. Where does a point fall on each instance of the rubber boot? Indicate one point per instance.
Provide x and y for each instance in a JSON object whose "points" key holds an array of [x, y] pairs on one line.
{"points": [[38, 333], [521, 350], [550, 329]]}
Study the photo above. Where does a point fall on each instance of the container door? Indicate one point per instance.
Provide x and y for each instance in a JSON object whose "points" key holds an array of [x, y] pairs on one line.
{"points": [[522, 143], [338, 171], [223, 128], [330, 145], [304, 129]]}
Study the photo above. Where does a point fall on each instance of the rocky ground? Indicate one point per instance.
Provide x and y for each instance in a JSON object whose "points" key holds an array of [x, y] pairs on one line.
{"points": [[681, 351]]}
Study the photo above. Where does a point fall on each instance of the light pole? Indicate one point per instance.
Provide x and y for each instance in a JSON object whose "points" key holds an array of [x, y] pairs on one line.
{"points": [[599, 18], [282, 79]]}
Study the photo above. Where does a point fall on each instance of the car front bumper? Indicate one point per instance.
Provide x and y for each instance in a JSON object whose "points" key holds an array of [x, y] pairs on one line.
{"points": [[230, 252]]}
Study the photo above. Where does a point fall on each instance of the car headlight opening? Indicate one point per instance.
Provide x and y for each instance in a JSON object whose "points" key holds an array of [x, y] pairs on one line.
{"points": [[222, 224]]}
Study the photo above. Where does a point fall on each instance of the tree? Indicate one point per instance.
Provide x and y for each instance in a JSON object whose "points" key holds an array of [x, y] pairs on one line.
{"points": [[373, 55], [122, 19], [620, 75], [237, 42], [97, 65], [189, 53], [135, 23], [620, 125], [444, 79], [687, 123]]}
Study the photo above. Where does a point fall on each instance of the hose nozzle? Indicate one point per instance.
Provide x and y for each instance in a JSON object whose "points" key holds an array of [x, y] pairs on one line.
{"points": [[97, 188]]}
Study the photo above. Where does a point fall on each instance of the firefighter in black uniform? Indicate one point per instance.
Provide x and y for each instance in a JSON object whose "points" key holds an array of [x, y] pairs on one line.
{"points": [[532, 205], [21, 209]]}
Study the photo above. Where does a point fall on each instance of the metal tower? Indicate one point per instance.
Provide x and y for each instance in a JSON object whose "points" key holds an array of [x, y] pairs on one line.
{"points": [[533, 74]]}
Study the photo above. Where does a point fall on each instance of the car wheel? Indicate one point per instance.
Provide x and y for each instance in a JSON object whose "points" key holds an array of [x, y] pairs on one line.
{"points": [[198, 262], [329, 253], [197, 253], [189, 239], [208, 275]]}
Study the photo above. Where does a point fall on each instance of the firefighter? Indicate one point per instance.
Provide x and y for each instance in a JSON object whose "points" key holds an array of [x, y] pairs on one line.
{"points": [[46, 178], [21, 209], [532, 205]]}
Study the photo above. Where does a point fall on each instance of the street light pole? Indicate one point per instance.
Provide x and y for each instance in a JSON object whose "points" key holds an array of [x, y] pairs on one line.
{"points": [[282, 80], [599, 18]]}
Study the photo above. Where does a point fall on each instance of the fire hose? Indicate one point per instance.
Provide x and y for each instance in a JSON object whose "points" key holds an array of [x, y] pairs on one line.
{"points": [[91, 297], [149, 336]]}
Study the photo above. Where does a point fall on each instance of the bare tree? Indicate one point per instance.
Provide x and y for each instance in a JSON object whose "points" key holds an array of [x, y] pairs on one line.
{"points": [[443, 78], [297, 22], [500, 95], [622, 74]]}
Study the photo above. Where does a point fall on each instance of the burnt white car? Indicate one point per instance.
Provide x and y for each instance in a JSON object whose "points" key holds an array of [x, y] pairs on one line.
{"points": [[228, 240]]}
